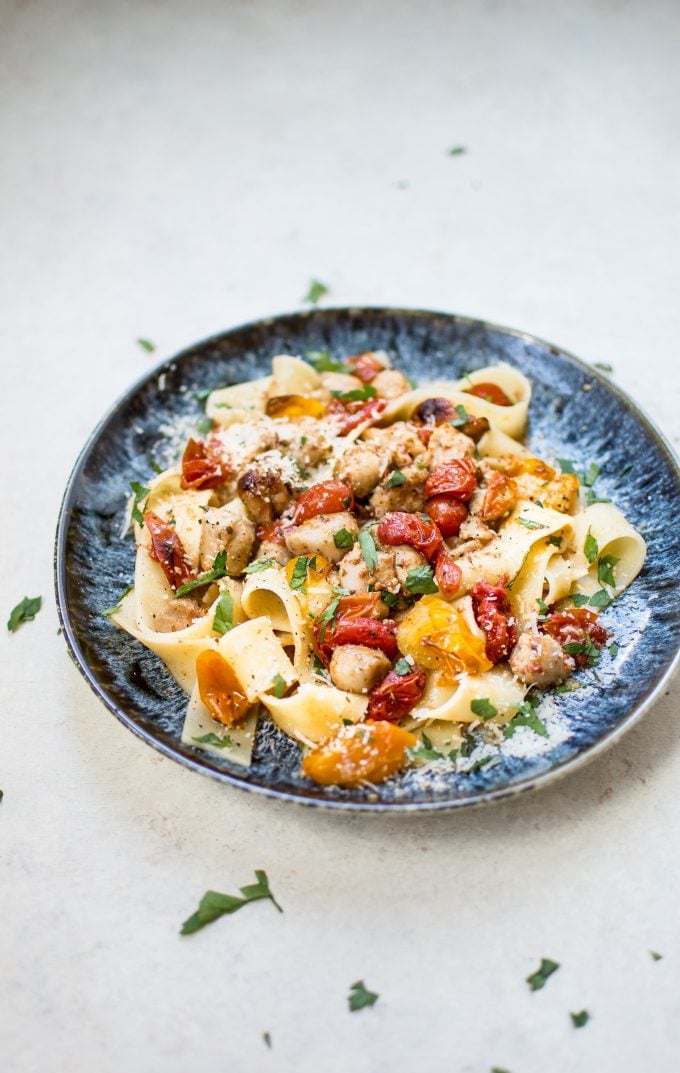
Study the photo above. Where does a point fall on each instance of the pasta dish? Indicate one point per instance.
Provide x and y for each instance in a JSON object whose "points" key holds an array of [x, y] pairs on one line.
{"points": [[385, 569]]}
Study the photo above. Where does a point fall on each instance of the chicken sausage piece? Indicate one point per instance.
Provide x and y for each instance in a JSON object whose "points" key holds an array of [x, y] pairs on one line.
{"points": [[223, 530], [539, 660], [358, 669], [316, 536]]}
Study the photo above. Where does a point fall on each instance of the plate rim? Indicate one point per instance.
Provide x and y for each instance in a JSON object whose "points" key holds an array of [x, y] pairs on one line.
{"points": [[204, 766]]}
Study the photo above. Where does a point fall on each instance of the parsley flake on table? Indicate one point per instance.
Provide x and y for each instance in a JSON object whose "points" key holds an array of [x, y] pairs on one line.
{"points": [[395, 479], [359, 997], [591, 474], [267, 1039], [655, 956], [140, 492], [368, 550], [219, 570], [613, 650], [224, 614], [214, 905], [537, 980], [315, 292], [146, 344], [580, 1019], [25, 611], [456, 150], [343, 538], [214, 739], [603, 366], [110, 610], [421, 580], [483, 707]]}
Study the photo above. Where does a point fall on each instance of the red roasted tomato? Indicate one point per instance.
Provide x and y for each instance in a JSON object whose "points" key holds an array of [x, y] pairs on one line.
{"points": [[447, 574], [396, 695], [490, 393], [448, 514], [456, 478], [402, 528], [371, 632], [201, 466], [366, 366], [168, 550], [571, 627], [494, 616], [328, 497], [349, 415]]}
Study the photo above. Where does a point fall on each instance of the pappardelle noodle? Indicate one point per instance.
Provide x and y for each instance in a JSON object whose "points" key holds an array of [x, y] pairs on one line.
{"points": [[383, 568]]}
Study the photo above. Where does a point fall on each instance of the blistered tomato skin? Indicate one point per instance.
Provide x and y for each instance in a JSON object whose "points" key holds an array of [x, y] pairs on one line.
{"points": [[402, 528], [219, 688], [327, 497], [370, 632], [494, 616], [201, 466], [490, 393], [349, 416], [366, 752], [366, 366], [447, 513], [571, 627], [396, 695], [456, 479], [447, 574], [167, 549]]}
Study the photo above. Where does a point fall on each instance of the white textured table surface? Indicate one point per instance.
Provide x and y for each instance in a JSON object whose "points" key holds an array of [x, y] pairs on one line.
{"points": [[169, 170]]}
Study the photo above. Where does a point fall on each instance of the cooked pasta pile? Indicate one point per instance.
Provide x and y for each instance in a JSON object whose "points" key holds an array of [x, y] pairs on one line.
{"points": [[381, 568]]}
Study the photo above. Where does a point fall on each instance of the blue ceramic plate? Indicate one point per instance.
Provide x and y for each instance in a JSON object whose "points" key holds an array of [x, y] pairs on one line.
{"points": [[575, 413]]}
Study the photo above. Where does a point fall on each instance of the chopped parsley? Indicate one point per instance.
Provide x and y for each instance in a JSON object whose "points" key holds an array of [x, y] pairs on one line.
{"points": [[402, 666], [299, 576], [315, 292], [395, 479], [592, 497], [368, 550], [526, 717], [201, 396], [213, 904], [580, 1019], [279, 685], [567, 687], [591, 474], [25, 611], [110, 610], [531, 524], [328, 616], [224, 614], [214, 739], [583, 648], [359, 997], [483, 707], [204, 425], [543, 608], [421, 580], [258, 565], [605, 570], [463, 416], [343, 538], [323, 362], [566, 465], [590, 548], [613, 650], [357, 394], [538, 979], [600, 599], [389, 598], [219, 570], [155, 466], [555, 540], [425, 750], [140, 493], [147, 345]]}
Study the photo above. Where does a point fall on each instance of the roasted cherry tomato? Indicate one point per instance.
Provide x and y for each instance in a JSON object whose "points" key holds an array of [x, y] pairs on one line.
{"points": [[349, 415], [273, 533], [448, 514], [401, 528], [447, 574], [435, 412], [456, 478], [328, 497], [424, 433], [494, 616], [490, 393], [202, 466], [360, 605], [366, 752], [366, 366], [499, 498], [371, 632], [571, 627], [168, 550], [219, 688], [396, 695]]}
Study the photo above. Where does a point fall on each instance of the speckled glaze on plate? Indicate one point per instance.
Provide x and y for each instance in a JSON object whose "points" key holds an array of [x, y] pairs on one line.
{"points": [[575, 413]]}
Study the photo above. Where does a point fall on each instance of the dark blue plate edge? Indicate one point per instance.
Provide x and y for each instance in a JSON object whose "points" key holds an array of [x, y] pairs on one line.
{"points": [[204, 765]]}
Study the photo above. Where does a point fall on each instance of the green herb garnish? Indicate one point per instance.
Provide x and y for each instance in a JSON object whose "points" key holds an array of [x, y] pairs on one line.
{"points": [[580, 1019], [315, 292], [566, 465], [585, 648], [25, 611], [529, 524], [613, 650], [214, 739], [421, 580], [214, 905], [483, 707], [110, 610], [368, 550], [463, 416], [526, 717], [204, 425], [140, 493], [389, 598], [328, 616], [543, 608], [591, 474], [590, 548], [323, 363], [555, 540], [258, 566], [343, 539], [224, 614], [279, 685], [538, 979], [395, 479], [299, 575], [603, 366], [605, 570], [425, 750], [359, 997], [357, 394], [219, 570], [402, 667]]}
